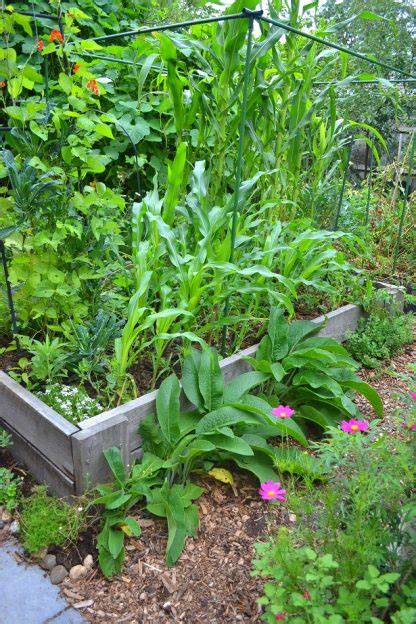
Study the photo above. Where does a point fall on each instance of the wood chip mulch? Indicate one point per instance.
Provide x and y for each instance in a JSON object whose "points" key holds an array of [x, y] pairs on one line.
{"points": [[212, 582]]}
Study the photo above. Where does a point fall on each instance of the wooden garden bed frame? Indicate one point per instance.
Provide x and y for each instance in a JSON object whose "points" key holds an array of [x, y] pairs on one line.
{"points": [[69, 459]]}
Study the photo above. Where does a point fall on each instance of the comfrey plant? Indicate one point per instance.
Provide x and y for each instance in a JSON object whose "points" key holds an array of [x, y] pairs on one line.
{"points": [[72, 403], [314, 375]]}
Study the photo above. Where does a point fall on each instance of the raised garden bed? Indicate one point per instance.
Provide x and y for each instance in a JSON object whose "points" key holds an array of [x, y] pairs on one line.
{"points": [[69, 458]]}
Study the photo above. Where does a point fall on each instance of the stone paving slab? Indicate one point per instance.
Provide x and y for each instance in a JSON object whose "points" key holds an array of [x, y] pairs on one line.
{"points": [[26, 594]]}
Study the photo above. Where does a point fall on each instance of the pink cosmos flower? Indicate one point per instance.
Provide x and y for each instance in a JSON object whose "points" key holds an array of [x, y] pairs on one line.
{"points": [[270, 490], [280, 617], [283, 411], [411, 426], [413, 395], [353, 426]]}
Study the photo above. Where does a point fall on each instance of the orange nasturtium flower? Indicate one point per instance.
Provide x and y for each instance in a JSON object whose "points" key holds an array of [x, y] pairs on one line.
{"points": [[56, 35], [2, 84], [92, 85], [75, 68], [40, 45]]}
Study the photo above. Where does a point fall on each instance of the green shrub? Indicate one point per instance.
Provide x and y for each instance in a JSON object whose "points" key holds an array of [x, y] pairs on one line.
{"points": [[46, 520], [351, 553], [382, 335]]}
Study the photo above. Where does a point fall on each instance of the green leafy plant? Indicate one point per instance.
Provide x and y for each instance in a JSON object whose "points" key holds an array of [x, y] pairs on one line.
{"points": [[307, 587], [10, 485], [380, 336], [313, 374], [5, 439], [46, 520], [178, 443], [350, 554]]}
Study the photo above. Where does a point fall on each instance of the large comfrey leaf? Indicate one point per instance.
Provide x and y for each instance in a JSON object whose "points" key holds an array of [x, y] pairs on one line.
{"points": [[299, 330], [317, 379], [210, 380], [115, 462], [259, 464], [239, 386], [270, 426], [190, 379], [224, 416], [278, 333], [167, 408], [235, 444]]}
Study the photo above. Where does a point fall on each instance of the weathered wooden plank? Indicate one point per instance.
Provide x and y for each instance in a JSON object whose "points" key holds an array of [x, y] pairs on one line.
{"points": [[88, 444], [42, 469], [338, 322], [45, 429]]}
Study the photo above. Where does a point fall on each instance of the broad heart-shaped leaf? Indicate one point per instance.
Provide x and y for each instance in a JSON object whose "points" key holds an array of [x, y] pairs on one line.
{"points": [[167, 408], [190, 382], [210, 380], [222, 417], [368, 392], [115, 462], [259, 464], [242, 384], [234, 445], [278, 333]]}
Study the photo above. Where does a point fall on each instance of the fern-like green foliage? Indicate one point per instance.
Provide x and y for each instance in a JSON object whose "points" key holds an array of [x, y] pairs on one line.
{"points": [[379, 337]]}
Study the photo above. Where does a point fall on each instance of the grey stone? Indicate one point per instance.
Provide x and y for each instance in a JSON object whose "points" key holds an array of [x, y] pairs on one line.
{"points": [[6, 516], [58, 573], [77, 572], [48, 562], [2, 524], [88, 562], [14, 527]]}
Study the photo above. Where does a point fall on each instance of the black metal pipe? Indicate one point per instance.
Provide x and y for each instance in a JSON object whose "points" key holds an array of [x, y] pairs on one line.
{"points": [[38, 15], [375, 81], [206, 20], [336, 46], [9, 293]]}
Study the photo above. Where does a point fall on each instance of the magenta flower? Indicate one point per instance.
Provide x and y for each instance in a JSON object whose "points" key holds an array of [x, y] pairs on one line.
{"points": [[411, 426], [413, 395], [283, 411], [270, 490], [353, 426]]}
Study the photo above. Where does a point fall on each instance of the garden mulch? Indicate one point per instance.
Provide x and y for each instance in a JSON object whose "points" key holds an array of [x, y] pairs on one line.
{"points": [[212, 581]]}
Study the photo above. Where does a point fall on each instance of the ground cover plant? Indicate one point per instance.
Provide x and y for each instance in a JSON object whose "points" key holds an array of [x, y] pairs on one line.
{"points": [[382, 334]]}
